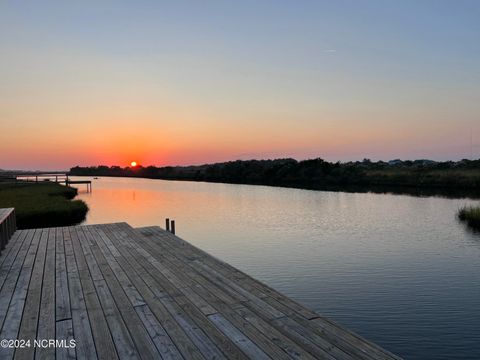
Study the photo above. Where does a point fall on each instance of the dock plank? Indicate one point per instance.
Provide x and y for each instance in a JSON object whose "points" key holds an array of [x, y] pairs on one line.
{"points": [[13, 319], [62, 295], [82, 330], [190, 318], [226, 309], [142, 279], [64, 330], [11, 271], [144, 345], [46, 320], [164, 344], [99, 329]]}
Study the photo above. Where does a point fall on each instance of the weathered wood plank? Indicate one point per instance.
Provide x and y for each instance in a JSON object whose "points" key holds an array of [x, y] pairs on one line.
{"points": [[228, 311], [223, 342], [137, 275], [227, 274], [247, 346], [123, 342], [191, 312], [315, 345], [266, 345], [12, 253], [164, 344], [198, 336], [98, 334], [286, 344], [145, 346], [11, 325], [251, 285], [64, 330], [85, 348], [213, 283], [129, 289], [181, 268], [373, 351], [46, 321], [62, 295], [8, 256]]}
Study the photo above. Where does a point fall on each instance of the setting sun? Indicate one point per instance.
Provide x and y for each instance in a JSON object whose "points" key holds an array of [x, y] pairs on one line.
{"points": [[133, 164]]}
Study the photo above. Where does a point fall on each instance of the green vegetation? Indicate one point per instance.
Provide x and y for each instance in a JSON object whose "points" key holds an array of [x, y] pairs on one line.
{"points": [[43, 205], [419, 177], [470, 215]]}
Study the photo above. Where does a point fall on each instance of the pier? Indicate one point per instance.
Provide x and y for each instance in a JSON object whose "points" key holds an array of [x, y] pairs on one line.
{"points": [[120, 292], [61, 178]]}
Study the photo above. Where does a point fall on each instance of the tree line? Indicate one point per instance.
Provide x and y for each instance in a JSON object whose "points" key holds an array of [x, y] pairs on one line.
{"points": [[315, 174]]}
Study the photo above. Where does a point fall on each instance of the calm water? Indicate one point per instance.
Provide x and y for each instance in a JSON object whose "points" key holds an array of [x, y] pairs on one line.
{"points": [[399, 270]]}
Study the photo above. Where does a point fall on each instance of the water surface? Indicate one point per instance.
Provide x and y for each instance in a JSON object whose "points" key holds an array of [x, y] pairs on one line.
{"points": [[399, 270]]}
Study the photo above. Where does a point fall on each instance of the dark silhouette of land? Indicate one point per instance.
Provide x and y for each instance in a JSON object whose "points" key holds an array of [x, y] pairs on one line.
{"points": [[418, 177]]}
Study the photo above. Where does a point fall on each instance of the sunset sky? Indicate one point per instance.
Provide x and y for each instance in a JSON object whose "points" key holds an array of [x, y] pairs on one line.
{"points": [[189, 82]]}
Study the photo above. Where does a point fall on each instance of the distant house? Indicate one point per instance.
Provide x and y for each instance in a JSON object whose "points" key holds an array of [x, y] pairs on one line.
{"points": [[427, 162], [395, 162]]}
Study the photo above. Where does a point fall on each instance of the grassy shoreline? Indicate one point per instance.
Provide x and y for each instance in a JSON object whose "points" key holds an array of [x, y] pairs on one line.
{"points": [[470, 215], [43, 205]]}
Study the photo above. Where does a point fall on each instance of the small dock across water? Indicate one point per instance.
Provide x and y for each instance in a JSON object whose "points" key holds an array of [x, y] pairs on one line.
{"points": [[143, 293], [61, 178]]}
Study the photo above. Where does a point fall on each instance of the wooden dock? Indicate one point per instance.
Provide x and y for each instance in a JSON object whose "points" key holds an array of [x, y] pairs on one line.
{"points": [[38, 178], [8, 226], [125, 293]]}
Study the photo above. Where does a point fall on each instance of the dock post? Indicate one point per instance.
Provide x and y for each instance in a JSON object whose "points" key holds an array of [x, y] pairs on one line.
{"points": [[173, 227], [14, 218], [167, 224]]}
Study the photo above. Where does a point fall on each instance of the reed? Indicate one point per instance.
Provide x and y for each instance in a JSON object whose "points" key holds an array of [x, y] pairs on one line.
{"points": [[470, 215]]}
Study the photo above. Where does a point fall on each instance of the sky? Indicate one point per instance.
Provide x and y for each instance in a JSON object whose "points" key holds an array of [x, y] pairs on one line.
{"points": [[193, 82]]}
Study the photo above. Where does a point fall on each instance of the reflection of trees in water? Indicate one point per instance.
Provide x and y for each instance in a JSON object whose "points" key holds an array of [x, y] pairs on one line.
{"points": [[419, 177]]}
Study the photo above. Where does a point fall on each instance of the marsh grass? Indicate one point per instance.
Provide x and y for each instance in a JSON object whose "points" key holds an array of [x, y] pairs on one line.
{"points": [[43, 205], [470, 215]]}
